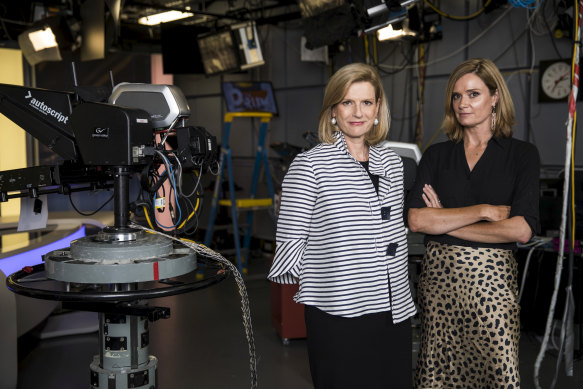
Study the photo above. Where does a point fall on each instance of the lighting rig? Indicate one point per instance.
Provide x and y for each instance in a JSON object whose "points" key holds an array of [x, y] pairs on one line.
{"points": [[331, 22], [114, 273]]}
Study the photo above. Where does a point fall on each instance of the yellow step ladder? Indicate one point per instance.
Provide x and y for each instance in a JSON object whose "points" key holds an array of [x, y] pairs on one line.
{"points": [[250, 204]]}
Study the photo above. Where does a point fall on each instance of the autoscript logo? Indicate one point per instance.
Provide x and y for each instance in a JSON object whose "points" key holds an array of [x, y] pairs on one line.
{"points": [[45, 109]]}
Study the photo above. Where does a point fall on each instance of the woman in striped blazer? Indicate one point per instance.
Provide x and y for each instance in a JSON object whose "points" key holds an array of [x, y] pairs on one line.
{"points": [[341, 235]]}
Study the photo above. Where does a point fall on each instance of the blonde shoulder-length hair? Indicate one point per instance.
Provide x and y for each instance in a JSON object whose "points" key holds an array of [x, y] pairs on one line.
{"points": [[336, 90], [491, 76]]}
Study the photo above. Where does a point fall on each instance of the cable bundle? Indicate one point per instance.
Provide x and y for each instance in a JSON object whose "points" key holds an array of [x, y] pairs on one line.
{"points": [[567, 338], [528, 4], [162, 197]]}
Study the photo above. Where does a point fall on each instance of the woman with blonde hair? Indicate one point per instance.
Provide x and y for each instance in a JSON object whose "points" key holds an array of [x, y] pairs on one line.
{"points": [[475, 196], [341, 235]]}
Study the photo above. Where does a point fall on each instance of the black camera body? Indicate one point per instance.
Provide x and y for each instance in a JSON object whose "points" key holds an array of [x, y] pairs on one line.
{"points": [[111, 135]]}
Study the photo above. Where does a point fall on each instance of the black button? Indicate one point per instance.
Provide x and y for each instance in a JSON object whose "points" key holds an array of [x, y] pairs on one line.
{"points": [[386, 213], [392, 249]]}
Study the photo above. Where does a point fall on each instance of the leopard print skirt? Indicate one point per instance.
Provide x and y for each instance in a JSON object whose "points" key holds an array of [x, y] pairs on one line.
{"points": [[470, 326]]}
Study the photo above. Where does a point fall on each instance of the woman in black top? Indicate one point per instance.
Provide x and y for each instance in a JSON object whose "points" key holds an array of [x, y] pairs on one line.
{"points": [[474, 197]]}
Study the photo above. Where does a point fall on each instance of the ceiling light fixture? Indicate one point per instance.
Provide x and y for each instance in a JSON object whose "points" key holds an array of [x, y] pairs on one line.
{"points": [[393, 18], [164, 17], [47, 38], [42, 39], [387, 12], [387, 33], [386, 6]]}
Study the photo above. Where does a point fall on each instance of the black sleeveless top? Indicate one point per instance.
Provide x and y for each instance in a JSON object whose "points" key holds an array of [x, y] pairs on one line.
{"points": [[373, 178]]}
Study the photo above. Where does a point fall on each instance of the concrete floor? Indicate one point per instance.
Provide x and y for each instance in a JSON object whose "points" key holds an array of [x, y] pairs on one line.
{"points": [[203, 345]]}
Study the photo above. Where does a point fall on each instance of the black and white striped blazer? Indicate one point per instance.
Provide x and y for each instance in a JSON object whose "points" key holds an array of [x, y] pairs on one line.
{"points": [[346, 244]]}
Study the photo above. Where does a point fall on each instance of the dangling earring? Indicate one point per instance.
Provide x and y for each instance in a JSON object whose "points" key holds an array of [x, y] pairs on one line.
{"points": [[333, 121], [493, 122], [376, 121]]}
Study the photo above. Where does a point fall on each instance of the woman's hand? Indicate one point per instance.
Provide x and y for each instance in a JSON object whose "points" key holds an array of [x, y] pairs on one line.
{"points": [[469, 223], [430, 197], [490, 213], [494, 213]]}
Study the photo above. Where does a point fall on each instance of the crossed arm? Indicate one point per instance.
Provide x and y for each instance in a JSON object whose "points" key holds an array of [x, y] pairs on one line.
{"points": [[479, 223]]}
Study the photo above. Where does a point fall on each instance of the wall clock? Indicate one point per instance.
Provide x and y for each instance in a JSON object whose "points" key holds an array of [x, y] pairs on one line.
{"points": [[554, 80]]}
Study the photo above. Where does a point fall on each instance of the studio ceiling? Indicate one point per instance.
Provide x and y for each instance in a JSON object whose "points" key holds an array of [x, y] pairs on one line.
{"points": [[18, 15]]}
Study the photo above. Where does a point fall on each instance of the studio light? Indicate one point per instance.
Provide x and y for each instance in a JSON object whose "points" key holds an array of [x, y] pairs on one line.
{"points": [[39, 45], [393, 18], [382, 13], [310, 8], [390, 5], [388, 33], [248, 41], [236, 48], [43, 39], [218, 52], [328, 22], [48, 37], [164, 17]]}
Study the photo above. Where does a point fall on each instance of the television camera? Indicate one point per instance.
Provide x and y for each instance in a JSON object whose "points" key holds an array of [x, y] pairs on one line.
{"points": [[99, 141], [102, 144]]}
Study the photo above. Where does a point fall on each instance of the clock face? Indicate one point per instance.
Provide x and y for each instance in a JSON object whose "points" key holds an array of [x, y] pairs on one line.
{"points": [[555, 81]]}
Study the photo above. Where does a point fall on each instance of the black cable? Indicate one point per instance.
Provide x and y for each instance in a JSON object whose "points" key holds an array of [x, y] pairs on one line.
{"points": [[191, 224], [389, 54], [551, 35], [464, 18], [91, 213], [511, 44], [403, 66], [158, 181]]}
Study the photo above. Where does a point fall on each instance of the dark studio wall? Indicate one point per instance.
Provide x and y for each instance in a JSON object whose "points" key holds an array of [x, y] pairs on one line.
{"points": [[503, 35], [516, 39]]}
